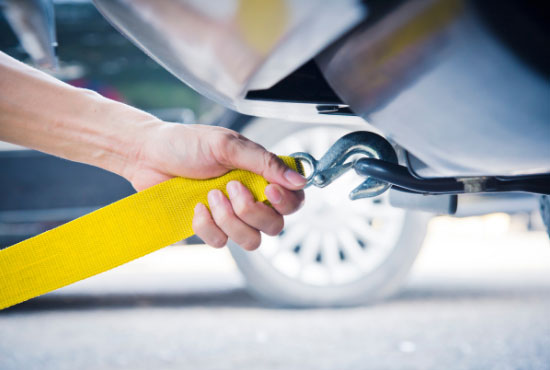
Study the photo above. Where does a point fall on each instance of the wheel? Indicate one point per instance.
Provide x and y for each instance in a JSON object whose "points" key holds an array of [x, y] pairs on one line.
{"points": [[333, 252]]}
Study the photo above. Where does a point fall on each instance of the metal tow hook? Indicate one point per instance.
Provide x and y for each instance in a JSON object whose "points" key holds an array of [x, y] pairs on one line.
{"points": [[338, 159]]}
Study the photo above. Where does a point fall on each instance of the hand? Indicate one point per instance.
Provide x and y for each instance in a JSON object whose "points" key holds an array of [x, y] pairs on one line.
{"points": [[197, 151], [43, 113]]}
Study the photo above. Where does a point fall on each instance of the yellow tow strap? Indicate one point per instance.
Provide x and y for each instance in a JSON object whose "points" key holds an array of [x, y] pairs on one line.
{"points": [[111, 236]]}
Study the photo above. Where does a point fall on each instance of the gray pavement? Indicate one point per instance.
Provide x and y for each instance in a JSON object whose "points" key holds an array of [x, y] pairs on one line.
{"points": [[478, 298]]}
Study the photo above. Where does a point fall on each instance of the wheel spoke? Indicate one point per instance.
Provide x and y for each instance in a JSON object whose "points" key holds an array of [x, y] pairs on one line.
{"points": [[352, 249], [310, 248], [365, 232], [292, 237], [329, 250]]}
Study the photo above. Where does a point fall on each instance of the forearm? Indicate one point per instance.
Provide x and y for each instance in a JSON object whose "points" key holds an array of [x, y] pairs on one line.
{"points": [[40, 112]]}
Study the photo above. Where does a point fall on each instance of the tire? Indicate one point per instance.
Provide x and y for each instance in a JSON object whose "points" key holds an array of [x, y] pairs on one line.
{"points": [[310, 273]]}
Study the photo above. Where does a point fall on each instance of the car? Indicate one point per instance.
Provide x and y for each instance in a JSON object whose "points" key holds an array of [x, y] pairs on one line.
{"points": [[456, 93]]}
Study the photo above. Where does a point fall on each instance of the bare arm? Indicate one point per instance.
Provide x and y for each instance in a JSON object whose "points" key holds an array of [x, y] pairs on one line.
{"points": [[43, 113]]}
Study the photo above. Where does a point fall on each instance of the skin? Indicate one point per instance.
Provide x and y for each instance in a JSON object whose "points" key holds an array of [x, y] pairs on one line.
{"points": [[40, 112]]}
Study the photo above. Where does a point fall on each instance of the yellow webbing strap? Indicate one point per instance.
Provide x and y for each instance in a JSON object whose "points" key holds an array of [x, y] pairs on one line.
{"points": [[111, 236]]}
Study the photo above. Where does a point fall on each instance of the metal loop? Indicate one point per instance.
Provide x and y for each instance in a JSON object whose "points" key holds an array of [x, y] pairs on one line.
{"points": [[310, 161], [336, 162]]}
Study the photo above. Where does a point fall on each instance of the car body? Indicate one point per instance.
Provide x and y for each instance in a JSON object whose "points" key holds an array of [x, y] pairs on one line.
{"points": [[447, 81]]}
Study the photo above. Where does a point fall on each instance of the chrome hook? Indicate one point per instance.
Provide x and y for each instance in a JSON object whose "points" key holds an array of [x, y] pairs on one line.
{"points": [[336, 162]]}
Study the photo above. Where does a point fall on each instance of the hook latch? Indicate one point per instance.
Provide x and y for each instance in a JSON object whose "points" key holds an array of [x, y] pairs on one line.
{"points": [[340, 158]]}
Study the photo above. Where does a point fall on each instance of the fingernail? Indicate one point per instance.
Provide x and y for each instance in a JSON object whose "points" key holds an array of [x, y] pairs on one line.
{"points": [[273, 194], [233, 189], [198, 208], [214, 197], [295, 178]]}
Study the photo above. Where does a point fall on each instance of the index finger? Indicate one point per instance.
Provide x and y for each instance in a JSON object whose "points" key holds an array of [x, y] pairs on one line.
{"points": [[250, 156]]}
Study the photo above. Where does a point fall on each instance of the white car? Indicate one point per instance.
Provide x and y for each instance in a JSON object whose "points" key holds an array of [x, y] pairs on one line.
{"points": [[457, 91]]}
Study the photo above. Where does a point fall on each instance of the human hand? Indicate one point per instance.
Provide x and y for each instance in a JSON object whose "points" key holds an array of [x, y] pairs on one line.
{"points": [[46, 114], [196, 151]]}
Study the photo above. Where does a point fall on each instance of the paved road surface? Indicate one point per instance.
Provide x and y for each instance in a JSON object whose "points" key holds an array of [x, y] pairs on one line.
{"points": [[478, 298]]}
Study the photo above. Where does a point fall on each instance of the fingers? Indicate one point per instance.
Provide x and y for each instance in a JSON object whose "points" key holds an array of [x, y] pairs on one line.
{"points": [[241, 218], [256, 214], [223, 215], [245, 154], [206, 229], [283, 200]]}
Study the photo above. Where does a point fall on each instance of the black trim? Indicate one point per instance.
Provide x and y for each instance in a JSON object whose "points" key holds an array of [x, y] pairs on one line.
{"points": [[305, 85], [402, 180]]}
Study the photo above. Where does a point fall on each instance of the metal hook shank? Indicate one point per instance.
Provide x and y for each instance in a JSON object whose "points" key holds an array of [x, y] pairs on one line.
{"points": [[336, 162]]}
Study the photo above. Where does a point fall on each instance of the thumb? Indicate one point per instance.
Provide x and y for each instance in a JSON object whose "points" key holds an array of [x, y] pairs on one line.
{"points": [[253, 157]]}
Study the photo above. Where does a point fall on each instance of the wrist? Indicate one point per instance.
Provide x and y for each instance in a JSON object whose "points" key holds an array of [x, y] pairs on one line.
{"points": [[150, 155], [133, 129], [115, 134], [43, 113]]}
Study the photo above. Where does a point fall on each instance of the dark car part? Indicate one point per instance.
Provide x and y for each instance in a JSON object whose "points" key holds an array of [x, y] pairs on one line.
{"points": [[401, 178], [372, 156]]}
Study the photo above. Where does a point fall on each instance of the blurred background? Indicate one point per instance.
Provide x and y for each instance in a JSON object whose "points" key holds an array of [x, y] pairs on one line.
{"points": [[92, 54], [477, 296]]}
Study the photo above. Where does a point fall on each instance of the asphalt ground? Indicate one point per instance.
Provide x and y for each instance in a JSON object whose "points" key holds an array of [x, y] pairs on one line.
{"points": [[478, 298]]}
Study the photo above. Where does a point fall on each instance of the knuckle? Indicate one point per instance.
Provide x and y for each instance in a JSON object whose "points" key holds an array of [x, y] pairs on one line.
{"points": [[275, 227], [219, 241], [293, 206], [293, 203], [226, 138], [271, 160], [285, 209], [227, 141], [252, 243], [243, 209], [199, 223], [223, 217], [222, 213], [301, 197], [223, 147]]}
